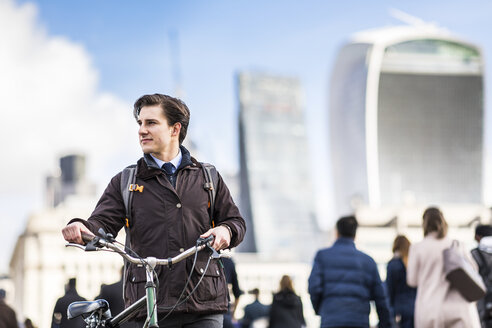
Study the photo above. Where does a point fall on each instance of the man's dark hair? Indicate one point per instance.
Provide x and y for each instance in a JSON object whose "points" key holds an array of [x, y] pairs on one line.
{"points": [[175, 110], [347, 226], [483, 230], [254, 291], [72, 282]]}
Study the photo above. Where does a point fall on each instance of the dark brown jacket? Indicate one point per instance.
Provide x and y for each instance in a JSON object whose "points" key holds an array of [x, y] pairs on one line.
{"points": [[165, 221]]}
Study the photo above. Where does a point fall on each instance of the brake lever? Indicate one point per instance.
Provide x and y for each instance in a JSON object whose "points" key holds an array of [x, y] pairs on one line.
{"points": [[107, 236], [75, 245], [215, 254], [91, 246], [204, 241]]}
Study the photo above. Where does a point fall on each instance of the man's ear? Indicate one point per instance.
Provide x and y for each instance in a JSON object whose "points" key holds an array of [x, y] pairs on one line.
{"points": [[176, 129]]}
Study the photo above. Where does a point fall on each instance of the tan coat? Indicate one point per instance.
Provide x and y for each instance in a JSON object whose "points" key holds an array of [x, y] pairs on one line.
{"points": [[437, 304]]}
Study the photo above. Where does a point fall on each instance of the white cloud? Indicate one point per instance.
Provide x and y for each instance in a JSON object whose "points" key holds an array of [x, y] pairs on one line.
{"points": [[50, 106]]}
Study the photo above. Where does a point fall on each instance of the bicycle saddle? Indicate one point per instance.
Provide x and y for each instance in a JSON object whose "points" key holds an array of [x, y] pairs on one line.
{"points": [[87, 307]]}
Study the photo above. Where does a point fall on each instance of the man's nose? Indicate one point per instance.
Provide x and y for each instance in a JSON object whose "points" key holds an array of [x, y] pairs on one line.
{"points": [[142, 130]]}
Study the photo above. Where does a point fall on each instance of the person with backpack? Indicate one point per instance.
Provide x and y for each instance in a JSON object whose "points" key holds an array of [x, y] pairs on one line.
{"points": [[483, 256], [166, 202]]}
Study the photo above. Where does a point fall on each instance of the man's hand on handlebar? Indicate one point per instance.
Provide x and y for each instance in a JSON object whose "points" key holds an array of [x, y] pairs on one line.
{"points": [[73, 233], [222, 237]]}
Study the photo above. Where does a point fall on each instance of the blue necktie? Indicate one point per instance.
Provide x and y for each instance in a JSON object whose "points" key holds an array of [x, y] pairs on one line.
{"points": [[169, 168]]}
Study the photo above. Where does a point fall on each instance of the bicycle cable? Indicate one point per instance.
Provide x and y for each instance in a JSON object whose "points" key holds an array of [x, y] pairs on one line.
{"points": [[178, 302], [154, 273]]}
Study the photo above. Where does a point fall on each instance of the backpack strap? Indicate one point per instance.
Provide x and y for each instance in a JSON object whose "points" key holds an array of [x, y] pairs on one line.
{"points": [[128, 177], [483, 267], [210, 185]]}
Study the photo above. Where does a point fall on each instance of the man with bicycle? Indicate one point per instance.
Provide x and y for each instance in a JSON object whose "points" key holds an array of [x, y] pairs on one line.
{"points": [[169, 211]]}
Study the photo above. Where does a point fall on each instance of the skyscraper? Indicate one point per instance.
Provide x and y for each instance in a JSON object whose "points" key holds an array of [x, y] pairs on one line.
{"points": [[406, 119], [276, 192]]}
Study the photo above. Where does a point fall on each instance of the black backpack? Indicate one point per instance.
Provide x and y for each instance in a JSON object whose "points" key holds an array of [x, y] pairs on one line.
{"points": [[127, 186], [484, 261]]}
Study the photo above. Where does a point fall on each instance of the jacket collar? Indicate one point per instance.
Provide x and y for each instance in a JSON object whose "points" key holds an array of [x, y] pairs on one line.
{"points": [[186, 160], [344, 241], [147, 167]]}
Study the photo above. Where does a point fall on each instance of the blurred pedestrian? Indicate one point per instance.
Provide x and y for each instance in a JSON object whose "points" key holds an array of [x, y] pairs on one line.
{"points": [[483, 256], [286, 310], [28, 323], [59, 319], [8, 318], [231, 279], [254, 311], [344, 280], [401, 296], [113, 293], [437, 304]]}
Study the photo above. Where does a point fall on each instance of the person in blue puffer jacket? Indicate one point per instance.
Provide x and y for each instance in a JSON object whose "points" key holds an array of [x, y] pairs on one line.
{"points": [[344, 280]]}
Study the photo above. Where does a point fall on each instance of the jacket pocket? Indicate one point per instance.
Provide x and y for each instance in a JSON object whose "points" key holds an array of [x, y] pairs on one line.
{"points": [[213, 286], [136, 279]]}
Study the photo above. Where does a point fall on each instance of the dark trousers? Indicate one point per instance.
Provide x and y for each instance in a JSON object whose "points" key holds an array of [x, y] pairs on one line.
{"points": [[188, 321]]}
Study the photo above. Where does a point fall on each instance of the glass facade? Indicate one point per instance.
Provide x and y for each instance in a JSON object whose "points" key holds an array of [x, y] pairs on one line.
{"points": [[429, 122], [276, 191], [435, 47]]}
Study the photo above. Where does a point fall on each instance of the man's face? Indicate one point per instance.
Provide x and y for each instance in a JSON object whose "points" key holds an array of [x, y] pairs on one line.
{"points": [[155, 134]]}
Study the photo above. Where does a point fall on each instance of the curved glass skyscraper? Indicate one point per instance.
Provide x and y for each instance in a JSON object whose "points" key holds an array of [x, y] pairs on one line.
{"points": [[406, 115]]}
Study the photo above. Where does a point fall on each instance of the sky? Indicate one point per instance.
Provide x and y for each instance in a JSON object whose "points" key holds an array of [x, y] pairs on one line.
{"points": [[71, 70]]}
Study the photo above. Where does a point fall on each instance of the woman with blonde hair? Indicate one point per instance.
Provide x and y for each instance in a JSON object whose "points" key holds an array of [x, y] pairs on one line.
{"points": [[286, 310], [437, 304], [401, 296]]}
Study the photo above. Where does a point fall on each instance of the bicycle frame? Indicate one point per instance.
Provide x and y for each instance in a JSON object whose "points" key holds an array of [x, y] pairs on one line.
{"points": [[128, 313], [97, 243]]}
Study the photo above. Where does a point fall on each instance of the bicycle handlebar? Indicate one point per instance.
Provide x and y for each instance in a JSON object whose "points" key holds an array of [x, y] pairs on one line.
{"points": [[87, 238], [107, 242], [95, 243]]}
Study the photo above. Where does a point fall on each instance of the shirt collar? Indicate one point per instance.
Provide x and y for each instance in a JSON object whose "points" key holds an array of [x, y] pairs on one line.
{"points": [[176, 161]]}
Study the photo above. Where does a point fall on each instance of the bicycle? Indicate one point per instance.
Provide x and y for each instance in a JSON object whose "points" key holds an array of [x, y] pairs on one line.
{"points": [[96, 313]]}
